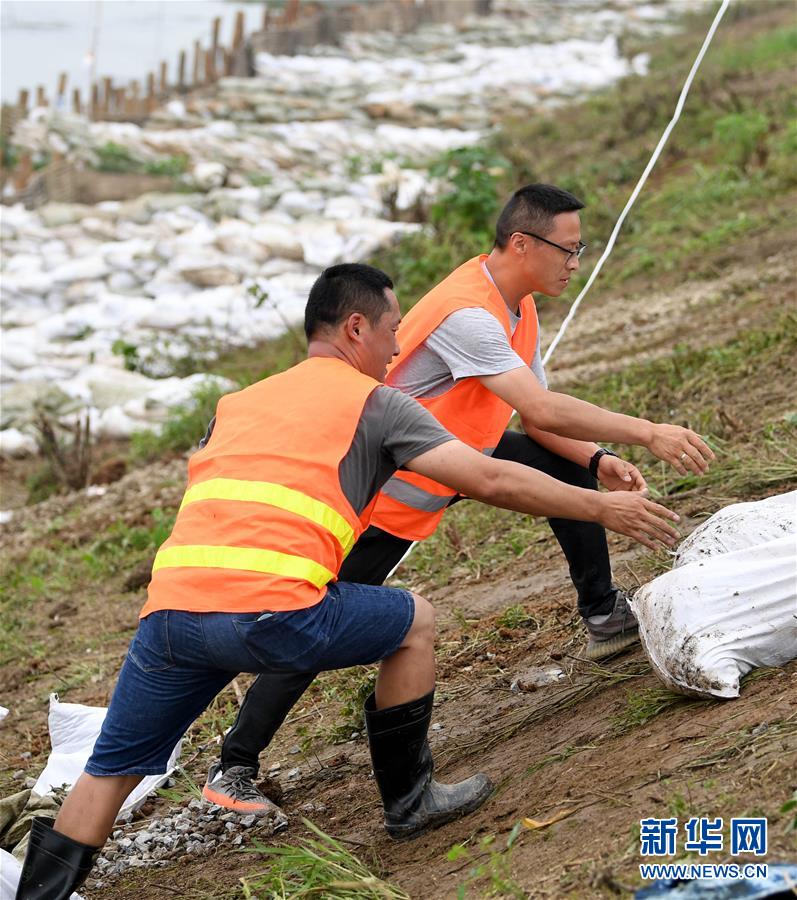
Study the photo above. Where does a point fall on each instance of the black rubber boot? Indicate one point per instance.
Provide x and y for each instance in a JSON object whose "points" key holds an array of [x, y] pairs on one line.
{"points": [[414, 802], [55, 865]]}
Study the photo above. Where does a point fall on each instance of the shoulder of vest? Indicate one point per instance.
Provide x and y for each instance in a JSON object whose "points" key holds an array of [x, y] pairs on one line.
{"points": [[466, 287]]}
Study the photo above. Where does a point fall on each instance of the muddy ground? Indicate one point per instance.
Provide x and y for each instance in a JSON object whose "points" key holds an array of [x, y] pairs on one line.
{"points": [[569, 749]]}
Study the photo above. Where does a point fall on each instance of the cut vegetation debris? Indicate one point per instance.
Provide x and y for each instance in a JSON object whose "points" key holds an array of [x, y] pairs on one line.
{"points": [[319, 867], [691, 322]]}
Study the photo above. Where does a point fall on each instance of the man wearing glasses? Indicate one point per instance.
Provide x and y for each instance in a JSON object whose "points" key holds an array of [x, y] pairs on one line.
{"points": [[470, 354]]}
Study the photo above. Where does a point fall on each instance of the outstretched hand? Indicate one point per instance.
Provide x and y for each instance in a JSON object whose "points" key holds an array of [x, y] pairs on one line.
{"points": [[685, 450], [616, 474], [628, 512]]}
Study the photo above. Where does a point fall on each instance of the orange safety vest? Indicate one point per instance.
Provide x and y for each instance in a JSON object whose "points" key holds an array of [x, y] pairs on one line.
{"points": [[264, 523], [410, 506]]}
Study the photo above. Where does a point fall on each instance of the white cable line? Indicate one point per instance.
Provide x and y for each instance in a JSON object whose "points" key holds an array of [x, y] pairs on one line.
{"points": [[676, 115]]}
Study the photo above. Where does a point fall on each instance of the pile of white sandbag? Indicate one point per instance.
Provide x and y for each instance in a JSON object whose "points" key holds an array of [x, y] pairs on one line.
{"points": [[729, 605]]}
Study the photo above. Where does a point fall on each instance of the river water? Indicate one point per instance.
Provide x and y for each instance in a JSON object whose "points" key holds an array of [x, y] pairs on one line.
{"points": [[42, 38]]}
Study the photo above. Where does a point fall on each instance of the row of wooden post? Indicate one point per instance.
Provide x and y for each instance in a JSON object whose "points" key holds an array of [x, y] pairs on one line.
{"points": [[108, 101]]}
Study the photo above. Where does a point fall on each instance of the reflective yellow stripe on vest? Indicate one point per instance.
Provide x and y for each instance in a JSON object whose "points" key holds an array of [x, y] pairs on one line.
{"points": [[274, 495], [249, 559]]}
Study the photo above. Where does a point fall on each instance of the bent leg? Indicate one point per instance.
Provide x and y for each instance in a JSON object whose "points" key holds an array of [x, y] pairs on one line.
{"points": [[397, 718], [583, 543], [154, 702], [266, 705], [273, 694], [410, 672], [91, 807]]}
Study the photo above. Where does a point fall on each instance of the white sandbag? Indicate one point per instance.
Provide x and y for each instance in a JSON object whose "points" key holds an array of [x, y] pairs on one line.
{"points": [[739, 526], [10, 870], [73, 730], [14, 443], [721, 613]]}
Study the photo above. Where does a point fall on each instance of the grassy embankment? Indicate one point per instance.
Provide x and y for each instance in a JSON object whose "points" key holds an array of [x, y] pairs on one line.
{"points": [[722, 197]]}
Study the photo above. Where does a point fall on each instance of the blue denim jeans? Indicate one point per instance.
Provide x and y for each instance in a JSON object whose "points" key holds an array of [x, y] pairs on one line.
{"points": [[178, 661]]}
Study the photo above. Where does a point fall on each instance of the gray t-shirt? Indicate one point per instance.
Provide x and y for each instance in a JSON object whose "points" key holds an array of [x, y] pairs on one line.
{"points": [[393, 429], [468, 343]]}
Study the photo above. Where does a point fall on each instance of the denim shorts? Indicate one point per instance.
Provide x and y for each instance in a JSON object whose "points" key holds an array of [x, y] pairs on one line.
{"points": [[178, 661]]}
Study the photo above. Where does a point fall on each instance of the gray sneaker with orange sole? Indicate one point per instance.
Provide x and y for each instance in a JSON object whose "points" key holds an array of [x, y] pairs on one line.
{"points": [[235, 789], [612, 632]]}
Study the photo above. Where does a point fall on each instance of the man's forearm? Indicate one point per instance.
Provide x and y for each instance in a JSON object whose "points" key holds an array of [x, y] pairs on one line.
{"points": [[517, 487], [579, 452], [572, 418]]}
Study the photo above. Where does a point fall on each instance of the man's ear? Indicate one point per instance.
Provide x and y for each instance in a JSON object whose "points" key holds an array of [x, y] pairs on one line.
{"points": [[354, 325], [518, 242]]}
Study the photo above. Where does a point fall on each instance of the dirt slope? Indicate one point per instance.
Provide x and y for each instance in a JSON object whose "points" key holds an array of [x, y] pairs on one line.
{"points": [[568, 748]]}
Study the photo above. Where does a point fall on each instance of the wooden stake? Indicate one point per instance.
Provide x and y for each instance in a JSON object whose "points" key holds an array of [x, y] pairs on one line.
{"points": [[197, 63], [107, 94], [291, 13], [135, 99], [214, 49], [94, 111], [164, 78], [208, 68], [238, 33], [76, 105], [181, 70], [150, 103], [62, 86], [22, 103], [41, 96], [22, 172]]}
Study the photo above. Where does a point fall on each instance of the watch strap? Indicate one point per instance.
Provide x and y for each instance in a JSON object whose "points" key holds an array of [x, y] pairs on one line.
{"points": [[596, 458]]}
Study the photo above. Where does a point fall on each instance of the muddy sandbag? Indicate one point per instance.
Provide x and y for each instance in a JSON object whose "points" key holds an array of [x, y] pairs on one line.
{"points": [[739, 526], [722, 612]]}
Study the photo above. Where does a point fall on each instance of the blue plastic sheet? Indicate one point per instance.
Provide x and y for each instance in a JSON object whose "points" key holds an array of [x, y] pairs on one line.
{"points": [[781, 882]]}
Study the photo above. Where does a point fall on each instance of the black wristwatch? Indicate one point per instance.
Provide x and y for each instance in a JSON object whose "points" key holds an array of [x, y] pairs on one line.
{"points": [[596, 458]]}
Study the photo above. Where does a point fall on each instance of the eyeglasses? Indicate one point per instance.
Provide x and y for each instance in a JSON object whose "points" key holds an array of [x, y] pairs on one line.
{"points": [[570, 253]]}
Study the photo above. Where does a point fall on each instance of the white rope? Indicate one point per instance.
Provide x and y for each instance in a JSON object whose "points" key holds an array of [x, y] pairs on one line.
{"points": [[676, 115]]}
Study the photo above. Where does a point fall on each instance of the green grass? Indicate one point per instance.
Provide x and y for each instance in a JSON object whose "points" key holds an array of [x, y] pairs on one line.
{"points": [[691, 386], [569, 751], [643, 706], [721, 177], [490, 872], [184, 428], [767, 51], [117, 159], [318, 867], [684, 380], [347, 690], [57, 569], [473, 540]]}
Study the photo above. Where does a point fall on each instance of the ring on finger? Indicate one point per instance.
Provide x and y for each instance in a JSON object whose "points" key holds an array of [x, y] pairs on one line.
{"points": [[682, 457]]}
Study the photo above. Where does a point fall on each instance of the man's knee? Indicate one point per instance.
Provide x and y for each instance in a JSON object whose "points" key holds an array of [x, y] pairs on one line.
{"points": [[423, 622]]}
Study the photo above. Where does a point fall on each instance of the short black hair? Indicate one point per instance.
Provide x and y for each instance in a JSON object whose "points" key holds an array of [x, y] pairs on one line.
{"points": [[342, 290], [532, 208]]}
